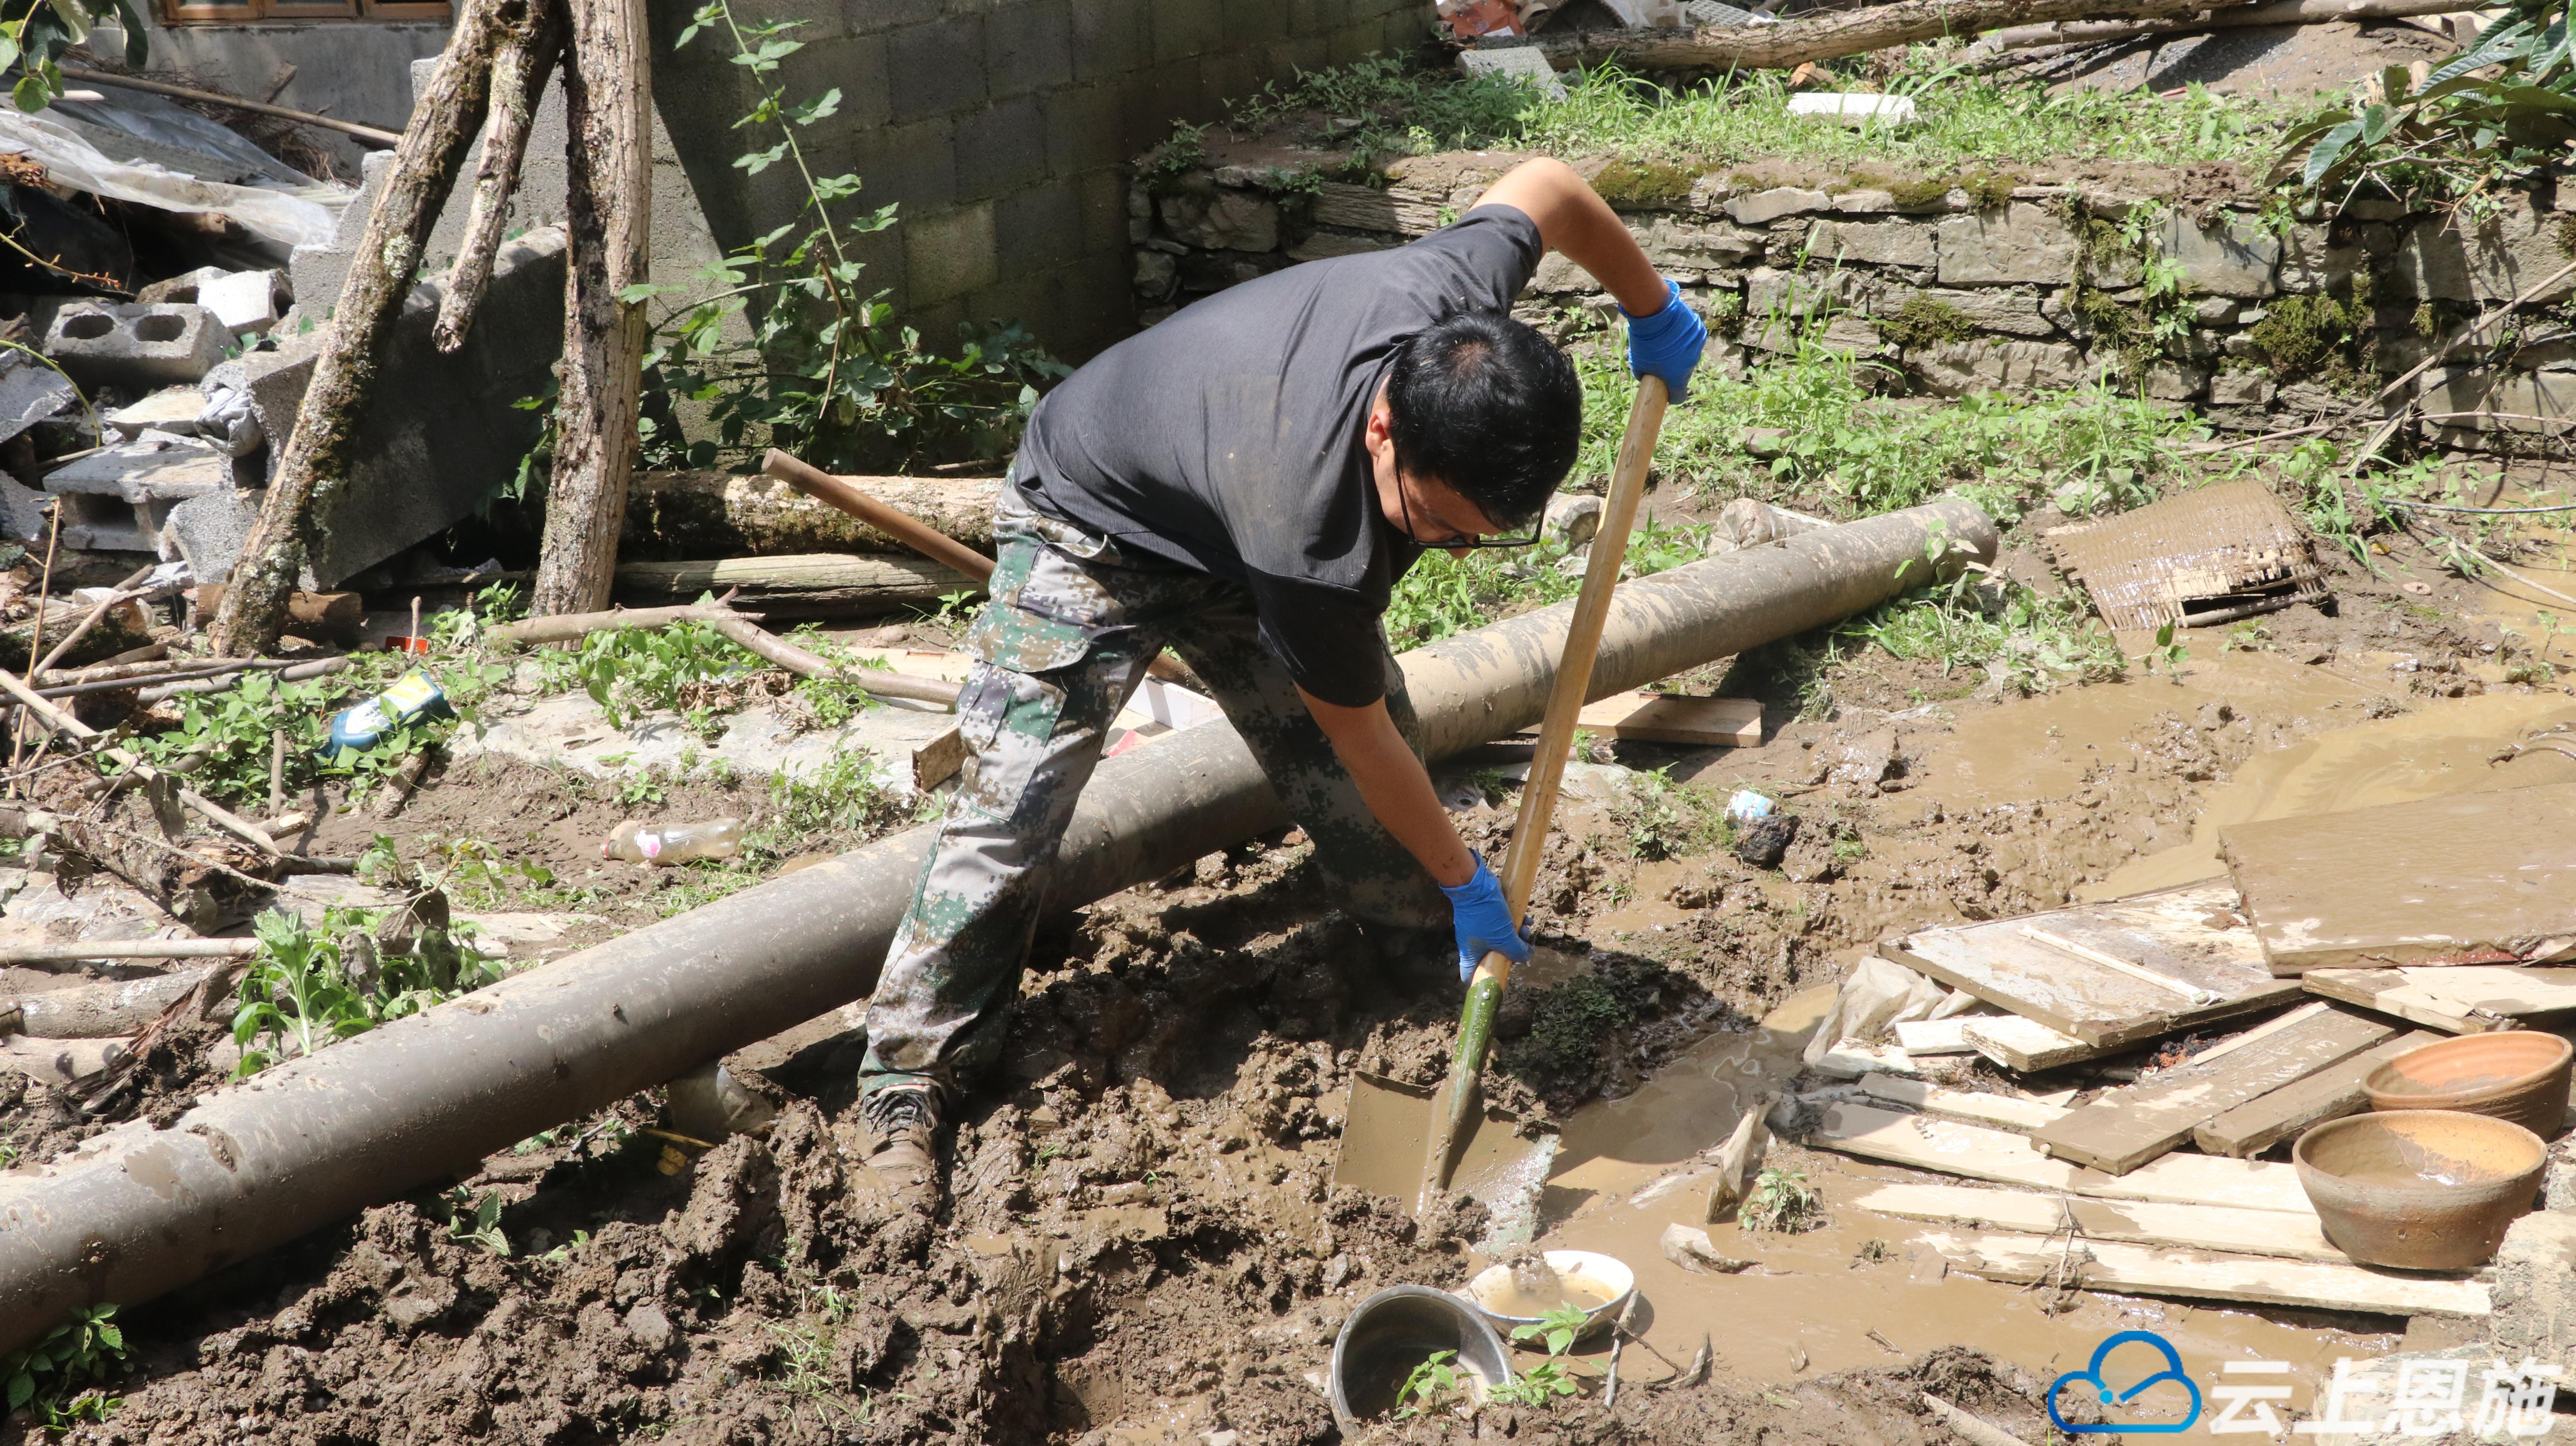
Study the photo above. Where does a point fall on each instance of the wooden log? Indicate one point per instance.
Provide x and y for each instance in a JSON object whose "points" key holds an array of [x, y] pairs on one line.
{"points": [[2129, 1127], [314, 461], [108, 1009], [206, 885], [520, 70], [119, 630], [2280, 12], [607, 89], [1851, 32], [331, 617], [2331, 1093], [63, 1063], [86, 951], [816, 585], [2208, 1275], [718, 514]]}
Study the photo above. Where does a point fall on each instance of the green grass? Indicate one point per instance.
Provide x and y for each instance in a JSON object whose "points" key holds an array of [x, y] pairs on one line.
{"points": [[1970, 123], [2023, 642], [2090, 449]]}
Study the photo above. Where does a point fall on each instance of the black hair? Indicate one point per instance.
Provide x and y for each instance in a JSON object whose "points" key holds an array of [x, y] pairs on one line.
{"points": [[1489, 407]]}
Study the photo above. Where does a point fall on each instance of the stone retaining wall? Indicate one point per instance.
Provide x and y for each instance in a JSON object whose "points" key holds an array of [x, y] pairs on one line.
{"points": [[1976, 282]]}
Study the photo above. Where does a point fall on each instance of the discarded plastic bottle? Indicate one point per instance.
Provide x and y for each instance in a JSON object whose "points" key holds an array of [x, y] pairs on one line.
{"points": [[414, 696], [639, 842]]}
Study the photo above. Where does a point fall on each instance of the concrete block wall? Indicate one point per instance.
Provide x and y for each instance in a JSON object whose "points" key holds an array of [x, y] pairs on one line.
{"points": [[1000, 129], [2011, 287]]}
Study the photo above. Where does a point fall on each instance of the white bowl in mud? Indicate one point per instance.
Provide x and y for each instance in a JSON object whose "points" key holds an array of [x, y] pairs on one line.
{"points": [[1595, 1284]]}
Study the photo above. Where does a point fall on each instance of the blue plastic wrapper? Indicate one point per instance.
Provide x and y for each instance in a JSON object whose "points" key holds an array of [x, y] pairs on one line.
{"points": [[1747, 806], [414, 696]]}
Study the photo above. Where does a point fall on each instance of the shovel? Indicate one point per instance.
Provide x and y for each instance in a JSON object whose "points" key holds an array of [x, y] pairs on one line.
{"points": [[1411, 1143]]}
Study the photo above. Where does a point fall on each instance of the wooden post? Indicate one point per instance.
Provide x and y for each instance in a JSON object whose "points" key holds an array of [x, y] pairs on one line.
{"points": [[608, 86], [315, 461], [519, 74]]}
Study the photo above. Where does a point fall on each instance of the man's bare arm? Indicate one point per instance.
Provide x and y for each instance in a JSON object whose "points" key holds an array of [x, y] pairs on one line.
{"points": [[1395, 787], [1573, 220]]}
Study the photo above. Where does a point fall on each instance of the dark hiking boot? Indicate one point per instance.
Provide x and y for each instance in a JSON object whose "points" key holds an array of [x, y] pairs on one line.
{"points": [[899, 1146]]}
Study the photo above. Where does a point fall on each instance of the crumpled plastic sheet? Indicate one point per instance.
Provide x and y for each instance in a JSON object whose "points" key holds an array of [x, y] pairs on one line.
{"points": [[163, 156]]}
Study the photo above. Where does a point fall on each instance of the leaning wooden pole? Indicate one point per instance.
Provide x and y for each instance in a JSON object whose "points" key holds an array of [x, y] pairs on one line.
{"points": [[608, 87], [520, 70], [315, 461]]}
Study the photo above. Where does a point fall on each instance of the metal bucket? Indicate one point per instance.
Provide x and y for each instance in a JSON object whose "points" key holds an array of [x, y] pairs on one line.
{"points": [[1398, 1329]]}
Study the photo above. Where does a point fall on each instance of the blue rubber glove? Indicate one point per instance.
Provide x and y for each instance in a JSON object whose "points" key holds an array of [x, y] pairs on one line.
{"points": [[1668, 343], [1483, 921]]}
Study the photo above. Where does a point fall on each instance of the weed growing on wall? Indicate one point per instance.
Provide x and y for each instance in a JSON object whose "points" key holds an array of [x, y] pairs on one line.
{"points": [[825, 371]]}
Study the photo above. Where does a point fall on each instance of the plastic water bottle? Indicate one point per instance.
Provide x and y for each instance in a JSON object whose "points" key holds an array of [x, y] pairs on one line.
{"points": [[414, 696], [663, 845]]}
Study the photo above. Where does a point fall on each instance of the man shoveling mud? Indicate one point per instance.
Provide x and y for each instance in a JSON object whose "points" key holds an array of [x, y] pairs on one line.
{"points": [[1245, 483]]}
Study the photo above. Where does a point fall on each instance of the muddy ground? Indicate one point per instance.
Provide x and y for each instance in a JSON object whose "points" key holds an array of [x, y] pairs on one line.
{"points": [[1145, 1243]]}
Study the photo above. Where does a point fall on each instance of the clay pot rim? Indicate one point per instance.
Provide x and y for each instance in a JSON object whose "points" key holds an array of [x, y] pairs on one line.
{"points": [[2446, 1099], [2462, 1120]]}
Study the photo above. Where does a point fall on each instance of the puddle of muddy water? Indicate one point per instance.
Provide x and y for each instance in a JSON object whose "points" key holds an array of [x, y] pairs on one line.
{"points": [[1816, 1303]]}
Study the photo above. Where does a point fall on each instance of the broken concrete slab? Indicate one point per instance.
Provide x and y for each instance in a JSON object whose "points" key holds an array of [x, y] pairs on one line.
{"points": [[207, 532], [915, 746], [2474, 878], [1524, 63], [120, 498], [135, 345], [249, 302], [29, 393], [442, 431], [173, 409]]}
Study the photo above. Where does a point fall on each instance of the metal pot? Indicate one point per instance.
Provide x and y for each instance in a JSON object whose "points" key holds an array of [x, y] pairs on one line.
{"points": [[1398, 1329]]}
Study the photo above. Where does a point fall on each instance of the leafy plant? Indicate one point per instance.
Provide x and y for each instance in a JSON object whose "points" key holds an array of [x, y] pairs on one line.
{"points": [[2025, 643], [2483, 119], [472, 1221], [61, 1375], [34, 44], [307, 988], [1664, 819], [1435, 1385], [1782, 1201], [1544, 1383], [824, 372], [2166, 653], [628, 671]]}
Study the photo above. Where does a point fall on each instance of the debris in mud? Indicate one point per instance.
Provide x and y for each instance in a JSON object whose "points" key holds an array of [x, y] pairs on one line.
{"points": [[2218, 555], [1765, 841]]}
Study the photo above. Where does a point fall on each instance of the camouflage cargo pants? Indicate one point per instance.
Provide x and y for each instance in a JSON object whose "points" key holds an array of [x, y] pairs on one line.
{"points": [[1065, 638]]}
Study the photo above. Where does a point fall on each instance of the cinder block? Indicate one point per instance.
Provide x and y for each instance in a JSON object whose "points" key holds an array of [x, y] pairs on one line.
{"points": [[1250, 24], [208, 532], [1082, 129], [117, 499], [441, 431], [935, 69], [949, 256], [1111, 37], [914, 164], [1028, 46], [1184, 28], [1037, 229], [1001, 150], [870, 17], [136, 345]]}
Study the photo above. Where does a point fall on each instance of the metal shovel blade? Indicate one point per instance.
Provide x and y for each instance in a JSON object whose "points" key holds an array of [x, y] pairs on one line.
{"points": [[1387, 1128]]}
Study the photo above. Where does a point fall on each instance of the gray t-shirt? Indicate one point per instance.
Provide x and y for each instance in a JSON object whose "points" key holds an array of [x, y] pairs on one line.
{"points": [[1228, 438]]}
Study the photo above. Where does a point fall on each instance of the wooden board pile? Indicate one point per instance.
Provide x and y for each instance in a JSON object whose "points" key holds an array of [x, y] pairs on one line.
{"points": [[2339, 942]]}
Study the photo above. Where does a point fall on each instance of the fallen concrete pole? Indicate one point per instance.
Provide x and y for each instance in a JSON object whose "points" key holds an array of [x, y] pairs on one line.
{"points": [[137, 1211]]}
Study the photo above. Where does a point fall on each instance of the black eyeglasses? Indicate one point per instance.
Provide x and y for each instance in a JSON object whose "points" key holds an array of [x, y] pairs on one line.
{"points": [[1404, 501]]}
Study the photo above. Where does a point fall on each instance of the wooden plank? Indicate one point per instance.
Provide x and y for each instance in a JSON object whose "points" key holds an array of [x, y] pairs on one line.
{"points": [[2026, 1044], [2456, 999], [1950, 1147], [2191, 936], [2194, 1227], [2470, 878], [2331, 1093], [1935, 1036], [1661, 718], [2129, 1127], [1977, 1107], [2209, 1275]]}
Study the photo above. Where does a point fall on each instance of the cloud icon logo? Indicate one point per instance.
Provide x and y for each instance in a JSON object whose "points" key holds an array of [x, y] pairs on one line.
{"points": [[2102, 1389]]}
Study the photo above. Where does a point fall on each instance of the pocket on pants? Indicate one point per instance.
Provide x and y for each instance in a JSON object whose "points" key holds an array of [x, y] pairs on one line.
{"points": [[1007, 720]]}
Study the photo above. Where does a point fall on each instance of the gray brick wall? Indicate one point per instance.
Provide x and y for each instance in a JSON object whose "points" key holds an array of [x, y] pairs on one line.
{"points": [[1001, 128]]}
